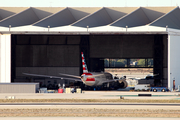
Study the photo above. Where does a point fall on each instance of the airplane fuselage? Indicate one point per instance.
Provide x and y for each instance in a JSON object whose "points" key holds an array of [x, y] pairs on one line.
{"points": [[95, 79]]}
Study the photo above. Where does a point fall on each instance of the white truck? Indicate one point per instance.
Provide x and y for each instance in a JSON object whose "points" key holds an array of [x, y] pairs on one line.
{"points": [[142, 87]]}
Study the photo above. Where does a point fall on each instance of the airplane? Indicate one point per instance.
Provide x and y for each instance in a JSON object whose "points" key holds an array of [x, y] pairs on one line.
{"points": [[88, 78], [148, 79]]}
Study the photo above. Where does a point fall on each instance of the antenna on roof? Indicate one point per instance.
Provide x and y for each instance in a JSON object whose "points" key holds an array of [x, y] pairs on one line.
{"points": [[9, 27], [87, 28], [48, 28], [126, 28]]}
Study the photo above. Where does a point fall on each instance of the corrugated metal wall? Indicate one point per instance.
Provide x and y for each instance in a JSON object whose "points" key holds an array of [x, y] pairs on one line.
{"points": [[19, 87]]}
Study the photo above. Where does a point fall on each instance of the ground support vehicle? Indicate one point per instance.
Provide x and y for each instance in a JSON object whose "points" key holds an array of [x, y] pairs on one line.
{"points": [[160, 89]]}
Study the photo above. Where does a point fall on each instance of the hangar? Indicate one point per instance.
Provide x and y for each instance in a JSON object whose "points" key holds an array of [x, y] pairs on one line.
{"points": [[48, 40]]}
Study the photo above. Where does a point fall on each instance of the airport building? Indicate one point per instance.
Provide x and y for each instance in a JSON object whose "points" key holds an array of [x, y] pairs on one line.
{"points": [[49, 41]]}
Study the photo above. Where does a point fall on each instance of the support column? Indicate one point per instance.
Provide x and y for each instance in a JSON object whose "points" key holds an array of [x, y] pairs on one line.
{"points": [[173, 61], [5, 58]]}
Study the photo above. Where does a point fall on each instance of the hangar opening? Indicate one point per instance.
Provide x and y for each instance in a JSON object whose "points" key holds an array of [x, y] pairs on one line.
{"points": [[48, 40], [54, 54]]}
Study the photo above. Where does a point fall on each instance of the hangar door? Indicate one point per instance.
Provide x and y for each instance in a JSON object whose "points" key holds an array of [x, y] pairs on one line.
{"points": [[51, 54], [45, 54], [131, 47]]}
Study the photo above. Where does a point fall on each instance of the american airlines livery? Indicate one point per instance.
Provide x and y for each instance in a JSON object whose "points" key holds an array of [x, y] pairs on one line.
{"points": [[88, 78]]}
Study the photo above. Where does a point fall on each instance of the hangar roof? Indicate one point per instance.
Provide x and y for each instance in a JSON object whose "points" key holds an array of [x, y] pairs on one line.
{"points": [[88, 19]]}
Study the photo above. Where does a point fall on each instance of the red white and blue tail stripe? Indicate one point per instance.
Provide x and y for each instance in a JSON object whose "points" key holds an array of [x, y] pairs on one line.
{"points": [[85, 70]]}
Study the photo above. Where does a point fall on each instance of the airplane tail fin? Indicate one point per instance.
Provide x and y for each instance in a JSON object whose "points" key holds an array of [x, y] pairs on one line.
{"points": [[85, 70]]}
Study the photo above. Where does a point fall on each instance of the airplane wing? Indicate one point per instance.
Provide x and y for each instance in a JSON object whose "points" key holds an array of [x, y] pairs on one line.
{"points": [[48, 76], [70, 75]]}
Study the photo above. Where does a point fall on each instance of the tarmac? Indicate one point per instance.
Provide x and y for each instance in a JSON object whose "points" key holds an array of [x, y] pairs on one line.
{"points": [[95, 106], [94, 95], [84, 118]]}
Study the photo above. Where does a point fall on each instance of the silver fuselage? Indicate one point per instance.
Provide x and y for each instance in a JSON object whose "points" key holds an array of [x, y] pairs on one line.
{"points": [[95, 78]]}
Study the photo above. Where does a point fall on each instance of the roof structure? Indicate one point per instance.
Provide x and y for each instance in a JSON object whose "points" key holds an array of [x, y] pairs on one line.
{"points": [[73, 19]]}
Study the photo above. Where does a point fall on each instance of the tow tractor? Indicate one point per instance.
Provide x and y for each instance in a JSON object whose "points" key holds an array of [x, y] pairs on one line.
{"points": [[160, 89]]}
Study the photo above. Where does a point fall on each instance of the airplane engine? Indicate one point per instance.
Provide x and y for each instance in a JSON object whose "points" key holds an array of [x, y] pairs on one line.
{"points": [[122, 84]]}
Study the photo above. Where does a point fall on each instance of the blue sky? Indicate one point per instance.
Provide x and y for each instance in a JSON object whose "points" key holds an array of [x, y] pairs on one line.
{"points": [[87, 3]]}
